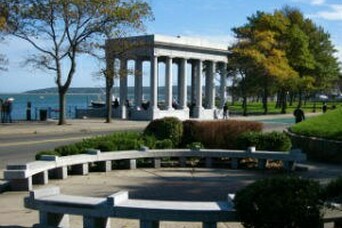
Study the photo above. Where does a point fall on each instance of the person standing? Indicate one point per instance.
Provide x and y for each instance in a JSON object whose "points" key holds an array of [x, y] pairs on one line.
{"points": [[225, 111], [324, 107], [8, 109]]}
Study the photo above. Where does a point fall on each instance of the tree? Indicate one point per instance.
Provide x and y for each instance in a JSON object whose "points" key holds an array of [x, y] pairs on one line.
{"points": [[259, 42], [61, 30], [3, 19]]}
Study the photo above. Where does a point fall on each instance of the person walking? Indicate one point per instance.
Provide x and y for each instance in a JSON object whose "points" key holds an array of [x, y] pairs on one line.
{"points": [[299, 115]]}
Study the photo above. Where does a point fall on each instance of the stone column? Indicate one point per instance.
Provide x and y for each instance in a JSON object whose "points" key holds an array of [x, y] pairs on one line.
{"points": [[138, 83], [223, 85], [182, 83], [123, 87], [154, 83], [168, 83], [198, 107], [194, 69], [210, 86]]}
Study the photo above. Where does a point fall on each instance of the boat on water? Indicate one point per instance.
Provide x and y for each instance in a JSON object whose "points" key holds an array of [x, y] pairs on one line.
{"points": [[102, 104]]}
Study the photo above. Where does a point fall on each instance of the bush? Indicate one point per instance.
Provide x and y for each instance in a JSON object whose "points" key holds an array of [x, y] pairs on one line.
{"points": [[333, 191], [280, 202], [195, 146], [272, 141], [164, 144], [71, 149], [166, 128], [113, 142], [221, 134], [46, 152]]}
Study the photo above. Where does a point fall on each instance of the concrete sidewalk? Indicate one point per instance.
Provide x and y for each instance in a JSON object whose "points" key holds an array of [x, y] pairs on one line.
{"points": [[73, 125]]}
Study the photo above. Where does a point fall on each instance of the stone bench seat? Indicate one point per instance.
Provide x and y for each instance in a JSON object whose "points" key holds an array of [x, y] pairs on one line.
{"points": [[54, 210], [21, 177]]}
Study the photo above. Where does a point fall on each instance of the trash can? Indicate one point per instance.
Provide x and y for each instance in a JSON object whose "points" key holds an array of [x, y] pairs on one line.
{"points": [[42, 114]]}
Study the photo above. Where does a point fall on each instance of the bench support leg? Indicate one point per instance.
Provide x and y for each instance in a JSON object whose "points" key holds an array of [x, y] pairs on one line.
{"points": [[156, 163], [47, 219], [81, 169], [40, 178], [208, 162], [21, 184], [104, 166], [60, 173], [209, 225], [95, 222], [182, 162], [132, 164], [262, 163], [289, 165], [235, 163], [149, 224]]}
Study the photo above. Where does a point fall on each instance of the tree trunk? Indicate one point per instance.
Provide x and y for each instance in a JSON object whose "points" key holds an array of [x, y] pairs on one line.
{"points": [[279, 99], [264, 98], [244, 105], [109, 100], [300, 101], [283, 101], [61, 94]]}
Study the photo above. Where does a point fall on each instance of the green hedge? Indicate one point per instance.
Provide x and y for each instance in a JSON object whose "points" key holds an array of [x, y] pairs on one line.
{"points": [[333, 190], [288, 202], [114, 142], [272, 141]]}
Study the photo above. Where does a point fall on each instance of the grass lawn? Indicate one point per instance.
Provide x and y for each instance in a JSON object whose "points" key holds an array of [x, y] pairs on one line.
{"points": [[328, 125], [256, 107]]}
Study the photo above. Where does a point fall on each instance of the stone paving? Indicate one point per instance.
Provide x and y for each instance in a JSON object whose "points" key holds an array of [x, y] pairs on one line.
{"points": [[166, 183]]}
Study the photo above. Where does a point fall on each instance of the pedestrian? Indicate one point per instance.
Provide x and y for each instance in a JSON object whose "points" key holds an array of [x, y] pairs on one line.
{"points": [[324, 107], [4, 111], [9, 108], [299, 115], [225, 111]]}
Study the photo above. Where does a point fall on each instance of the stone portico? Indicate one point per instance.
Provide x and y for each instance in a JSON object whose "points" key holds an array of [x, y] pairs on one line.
{"points": [[203, 59]]}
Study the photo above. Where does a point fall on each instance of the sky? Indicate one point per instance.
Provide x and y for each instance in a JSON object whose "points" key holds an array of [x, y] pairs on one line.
{"points": [[207, 19]]}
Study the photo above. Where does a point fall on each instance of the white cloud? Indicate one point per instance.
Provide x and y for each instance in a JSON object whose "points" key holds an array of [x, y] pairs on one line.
{"points": [[317, 2], [334, 14], [311, 2]]}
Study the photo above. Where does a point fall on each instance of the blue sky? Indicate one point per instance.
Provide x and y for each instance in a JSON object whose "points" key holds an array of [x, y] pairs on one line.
{"points": [[208, 19]]}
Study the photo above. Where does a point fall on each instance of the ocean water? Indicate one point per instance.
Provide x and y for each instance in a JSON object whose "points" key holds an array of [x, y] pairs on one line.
{"points": [[47, 102]]}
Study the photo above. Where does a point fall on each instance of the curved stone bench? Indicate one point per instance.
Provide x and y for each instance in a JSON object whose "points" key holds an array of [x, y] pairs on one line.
{"points": [[21, 177], [54, 209]]}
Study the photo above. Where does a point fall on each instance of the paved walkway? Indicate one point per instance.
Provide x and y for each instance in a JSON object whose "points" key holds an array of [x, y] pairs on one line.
{"points": [[167, 184]]}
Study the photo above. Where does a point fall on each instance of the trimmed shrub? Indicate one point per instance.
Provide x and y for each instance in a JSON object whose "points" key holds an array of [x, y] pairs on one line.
{"points": [[280, 202], [71, 149], [221, 134], [164, 144], [46, 152], [195, 146], [166, 128], [333, 191], [273, 141]]}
